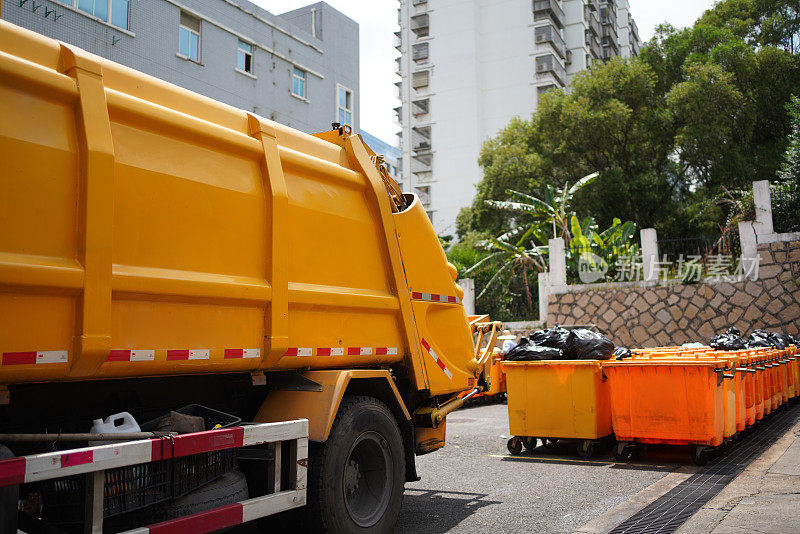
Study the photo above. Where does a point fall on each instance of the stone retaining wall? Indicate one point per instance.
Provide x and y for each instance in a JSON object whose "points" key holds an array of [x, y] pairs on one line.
{"points": [[677, 314]]}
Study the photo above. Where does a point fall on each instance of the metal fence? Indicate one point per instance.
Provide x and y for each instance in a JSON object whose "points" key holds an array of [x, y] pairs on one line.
{"points": [[691, 258], [785, 199]]}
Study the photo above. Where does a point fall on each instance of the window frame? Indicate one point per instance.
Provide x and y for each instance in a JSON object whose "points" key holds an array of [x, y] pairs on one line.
{"points": [[303, 81], [191, 31], [339, 108], [251, 53], [75, 4]]}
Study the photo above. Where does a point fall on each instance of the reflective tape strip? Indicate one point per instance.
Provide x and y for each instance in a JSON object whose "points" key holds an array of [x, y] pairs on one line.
{"points": [[438, 360], [242, 353], [433, 297], [340, 351], [34, 357], [125, 355], [299, 351], [226, 516]]}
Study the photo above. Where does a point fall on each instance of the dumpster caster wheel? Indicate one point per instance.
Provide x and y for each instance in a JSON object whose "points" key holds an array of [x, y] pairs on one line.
{"points": [[514, 446], [623, 451], [586, 448], [549, 443], [701, 455], [529, 443]]}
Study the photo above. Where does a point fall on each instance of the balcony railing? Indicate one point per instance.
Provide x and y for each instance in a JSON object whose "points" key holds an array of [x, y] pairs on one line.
{"points": [[549, 35], [421, 139], [420, 107], [420, 25], [398, 39], [549, 66], [420, 79], [419, 51], [592, 20], [421, 163], [548, 9]]}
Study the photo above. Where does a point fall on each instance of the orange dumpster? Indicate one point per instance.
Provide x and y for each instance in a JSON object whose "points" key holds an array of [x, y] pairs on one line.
{"points": [[668, 401]]}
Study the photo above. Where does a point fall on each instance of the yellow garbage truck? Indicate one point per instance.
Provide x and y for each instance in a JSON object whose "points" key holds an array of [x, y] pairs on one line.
{"points": [[160, 249]]}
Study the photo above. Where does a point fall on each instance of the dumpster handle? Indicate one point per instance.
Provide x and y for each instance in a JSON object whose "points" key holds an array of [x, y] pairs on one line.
{"points": [[759, 367]]}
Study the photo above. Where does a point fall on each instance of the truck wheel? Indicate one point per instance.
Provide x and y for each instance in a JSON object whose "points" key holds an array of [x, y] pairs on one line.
{"points": [[356, 477]]}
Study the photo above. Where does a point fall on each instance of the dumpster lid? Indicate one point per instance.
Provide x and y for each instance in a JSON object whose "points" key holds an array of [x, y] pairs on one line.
{"points": [[684, 362]]}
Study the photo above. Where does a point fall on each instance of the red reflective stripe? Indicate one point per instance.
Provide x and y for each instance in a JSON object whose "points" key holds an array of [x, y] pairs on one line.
{"points": [[425, 344], [381, 351], [291, 352], [440, 363], [323, 351], [354, 351], [160, 449], [177, 354], [452, 299], [234, 353], [218, 518], [19, 358], [119, 356], [76, 458], [416, 295], [12, 471], [212, 440]]}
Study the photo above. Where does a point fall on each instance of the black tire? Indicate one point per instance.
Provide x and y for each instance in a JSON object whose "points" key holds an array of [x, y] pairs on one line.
{"points": [[529, 443], [623, 452], [227, 489], [586, 448], [357, 476], [701, 455], [514, 446], [549, 444]]}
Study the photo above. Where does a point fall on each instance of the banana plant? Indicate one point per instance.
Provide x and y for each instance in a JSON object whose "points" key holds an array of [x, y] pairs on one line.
{"points": [[597, 251], [554, 207], [516, 253]]}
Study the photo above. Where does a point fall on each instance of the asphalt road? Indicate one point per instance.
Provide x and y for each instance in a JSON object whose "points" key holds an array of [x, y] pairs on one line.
{"points": [[474, 485]]}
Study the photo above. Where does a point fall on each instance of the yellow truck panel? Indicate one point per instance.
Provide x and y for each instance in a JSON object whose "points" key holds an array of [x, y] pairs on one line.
{"points": [[150, 231]]}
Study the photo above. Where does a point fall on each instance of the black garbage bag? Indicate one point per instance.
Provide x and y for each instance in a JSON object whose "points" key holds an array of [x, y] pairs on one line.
{"points": [[528, 351], [620, 353], [582, 344], [730, 340], [550, 337], [761, 338]]}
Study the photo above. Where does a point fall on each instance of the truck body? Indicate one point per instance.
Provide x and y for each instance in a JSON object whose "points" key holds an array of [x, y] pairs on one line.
{"points": [[157, 244]]}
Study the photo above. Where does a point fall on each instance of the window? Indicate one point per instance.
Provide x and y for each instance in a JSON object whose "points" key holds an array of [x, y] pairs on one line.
{"points": [[244, 57], [345, 105], [101, 9], [299, 82], [189, 37]]}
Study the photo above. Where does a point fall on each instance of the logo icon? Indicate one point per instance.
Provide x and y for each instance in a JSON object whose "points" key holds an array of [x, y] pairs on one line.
{"points": [[591, 268]]}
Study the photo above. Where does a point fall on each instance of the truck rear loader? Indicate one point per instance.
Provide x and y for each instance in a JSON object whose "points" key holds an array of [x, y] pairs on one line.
{"points": [[159, 248]]}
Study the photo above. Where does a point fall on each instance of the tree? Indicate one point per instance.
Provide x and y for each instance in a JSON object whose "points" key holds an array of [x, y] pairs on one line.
{"points": [[790, 168], [700, 109]]}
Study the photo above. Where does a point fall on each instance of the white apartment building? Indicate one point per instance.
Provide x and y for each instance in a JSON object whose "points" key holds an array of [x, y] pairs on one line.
{"points": [[468, 66]]}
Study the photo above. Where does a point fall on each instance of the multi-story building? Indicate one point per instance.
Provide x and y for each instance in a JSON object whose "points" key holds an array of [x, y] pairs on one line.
{"points": [[468, 66], [391, 155], [299, 68]]}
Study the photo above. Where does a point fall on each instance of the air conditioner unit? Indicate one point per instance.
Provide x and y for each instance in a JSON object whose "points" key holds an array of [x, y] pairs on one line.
{"points": [[540, 38], [541, 67], [569, 57]]}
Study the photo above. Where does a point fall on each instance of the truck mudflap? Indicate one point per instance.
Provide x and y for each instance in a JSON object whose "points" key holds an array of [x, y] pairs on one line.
{"points": [[284, 492]]}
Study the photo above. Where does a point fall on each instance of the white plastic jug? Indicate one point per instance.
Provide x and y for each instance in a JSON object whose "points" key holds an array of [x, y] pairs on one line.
{"points": [[117, 423]]}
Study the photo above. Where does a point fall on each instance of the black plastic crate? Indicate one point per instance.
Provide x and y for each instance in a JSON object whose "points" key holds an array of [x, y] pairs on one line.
{"points": [[126, 489], [139, 486]]}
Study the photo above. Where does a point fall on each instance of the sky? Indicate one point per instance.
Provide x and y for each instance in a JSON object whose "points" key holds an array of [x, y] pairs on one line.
{"points": [[377, 20]]}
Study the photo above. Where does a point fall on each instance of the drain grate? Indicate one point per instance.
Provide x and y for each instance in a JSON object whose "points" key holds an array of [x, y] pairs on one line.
{"points": [[671, 510]]}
